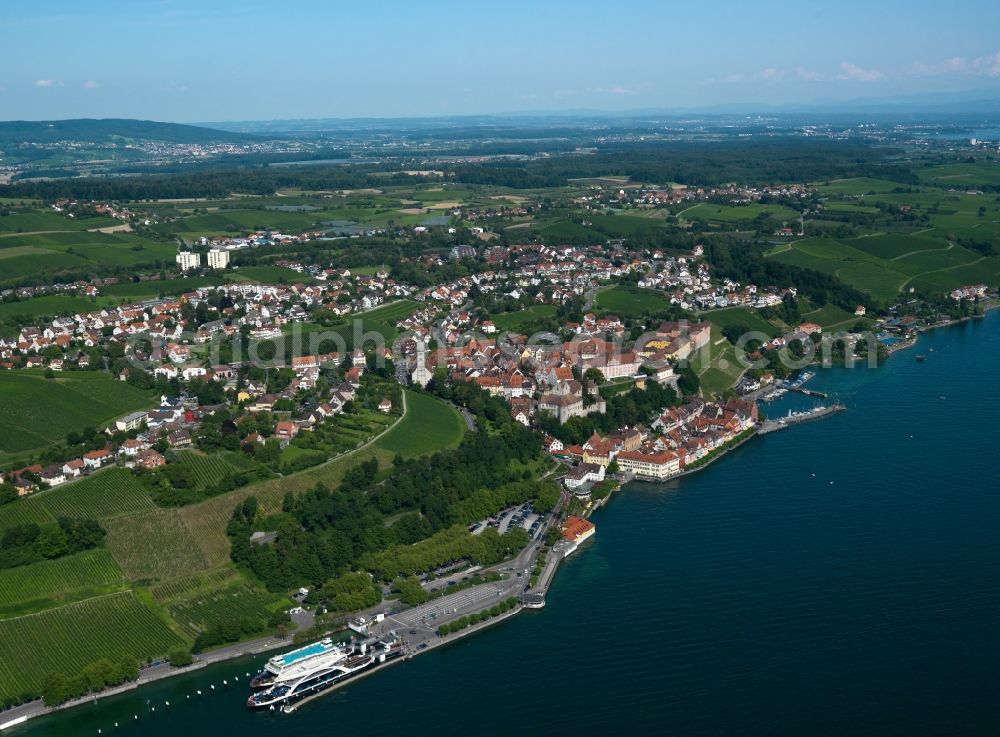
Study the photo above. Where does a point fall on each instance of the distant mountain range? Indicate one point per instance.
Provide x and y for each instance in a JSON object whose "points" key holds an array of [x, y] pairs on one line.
{"points": [[107, 129]]}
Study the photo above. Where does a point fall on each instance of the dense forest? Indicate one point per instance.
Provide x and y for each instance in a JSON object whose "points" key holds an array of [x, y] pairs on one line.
{"points": [[215, 183], [752, 161], [30, 542], [778, 159]]}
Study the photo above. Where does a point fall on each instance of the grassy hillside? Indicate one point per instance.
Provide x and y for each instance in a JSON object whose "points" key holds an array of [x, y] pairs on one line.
{"points": [[36, 411], [110, 129]]}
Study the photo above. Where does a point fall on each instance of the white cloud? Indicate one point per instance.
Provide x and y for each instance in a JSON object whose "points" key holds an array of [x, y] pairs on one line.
{"points": [[90, 85], [770, 73], [988, 65], [48, 83], [853, 72], [808, 75], [616, 90]]}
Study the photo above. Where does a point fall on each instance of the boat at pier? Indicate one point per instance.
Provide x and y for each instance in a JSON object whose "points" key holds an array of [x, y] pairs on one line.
{"points": [[314, 673], [303, 657]]}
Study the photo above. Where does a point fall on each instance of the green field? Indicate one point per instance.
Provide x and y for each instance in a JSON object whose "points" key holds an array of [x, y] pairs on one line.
{"points": [[524, 320], [32, 255], [105, 494], [832, 316], [741, 317], [218, 606], [429, 425], [48, 306], [628, 301], [565, 229], [209, 469], [36, 411], [716, 365], [68, 638], [154, 545], [269, 275], [857, 186], [623, 226], [166, 287], [734, 214], [931, 263], [48, 583], [187, 585], [892, 246], [966, 174], [44, 220]]}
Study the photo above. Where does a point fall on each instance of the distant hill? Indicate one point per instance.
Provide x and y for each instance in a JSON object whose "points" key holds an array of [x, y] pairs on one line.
{"points": [[106, 129]]}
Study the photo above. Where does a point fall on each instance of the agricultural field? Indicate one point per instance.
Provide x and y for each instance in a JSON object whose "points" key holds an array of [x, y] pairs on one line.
{"points": [[42, 254], [858, 186], [105, 494], [210, 469], [314, 338], [525, 320], [563, 229], [37, 411], [628, 301], [931, 263], [623, 226], [232, 221], [429, 425], [166, 287], [892, 246], [48, 583], [832, 316], [196, 612], [154, 545], [113, 626], [178, 588], [48, 306], [48, 220], [742, 318], [716, 365], [268, 275], [727, 214], [855, 267], [976, 174]]}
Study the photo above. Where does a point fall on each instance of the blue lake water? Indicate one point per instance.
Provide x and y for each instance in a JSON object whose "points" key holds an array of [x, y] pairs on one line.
{"points": [[838, 578]]}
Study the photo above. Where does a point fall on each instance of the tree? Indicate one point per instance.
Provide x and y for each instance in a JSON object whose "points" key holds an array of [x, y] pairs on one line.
{"points": [[180, 657], [51, 542]]}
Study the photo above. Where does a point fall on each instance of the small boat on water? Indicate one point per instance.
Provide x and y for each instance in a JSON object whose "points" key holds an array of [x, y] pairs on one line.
{"points": [[921, 358]]}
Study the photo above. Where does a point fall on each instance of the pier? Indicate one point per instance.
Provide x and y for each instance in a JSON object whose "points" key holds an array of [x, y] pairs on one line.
{"points": [[794, 418], [809, 392]]}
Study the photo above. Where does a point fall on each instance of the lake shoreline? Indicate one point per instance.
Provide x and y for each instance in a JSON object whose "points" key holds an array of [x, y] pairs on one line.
{"points": [[8, 718]]}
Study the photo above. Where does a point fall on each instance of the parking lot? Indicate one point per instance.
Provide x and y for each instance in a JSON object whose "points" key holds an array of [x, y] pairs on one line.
{"points": [[448, 607], [522, 515]]}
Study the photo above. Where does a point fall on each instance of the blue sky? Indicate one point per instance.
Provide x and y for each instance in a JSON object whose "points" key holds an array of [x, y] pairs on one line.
{"points": [[216, 60]]}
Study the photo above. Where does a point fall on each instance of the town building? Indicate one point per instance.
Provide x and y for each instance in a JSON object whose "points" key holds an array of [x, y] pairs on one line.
{"points": [[577, 529], [218, 258], [187, 260]]}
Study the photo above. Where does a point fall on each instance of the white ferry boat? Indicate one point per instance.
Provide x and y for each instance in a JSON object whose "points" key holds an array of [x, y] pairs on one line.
{"points": [[283, 666], [314, 673]]}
